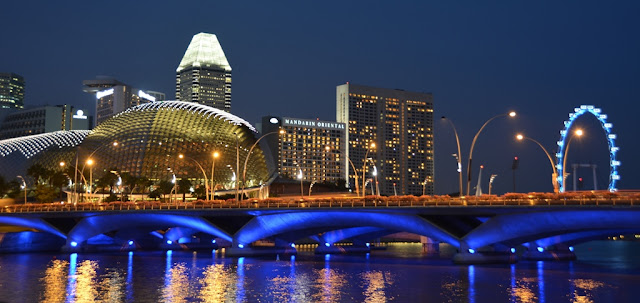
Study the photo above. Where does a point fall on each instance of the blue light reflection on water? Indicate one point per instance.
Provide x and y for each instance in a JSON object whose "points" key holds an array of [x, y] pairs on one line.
{"points": [[389, 276]]}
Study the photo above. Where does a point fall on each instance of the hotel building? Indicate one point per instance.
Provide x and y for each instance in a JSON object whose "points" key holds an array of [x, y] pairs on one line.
{"points": [[316, 148], [204, 74], [399, 125]]}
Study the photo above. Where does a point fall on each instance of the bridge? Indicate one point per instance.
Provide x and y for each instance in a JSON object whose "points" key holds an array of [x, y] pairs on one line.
{"points": [[483, 229]]}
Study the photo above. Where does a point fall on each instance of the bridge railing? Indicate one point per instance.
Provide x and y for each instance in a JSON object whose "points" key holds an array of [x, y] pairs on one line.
{"points": [[368, 202]]}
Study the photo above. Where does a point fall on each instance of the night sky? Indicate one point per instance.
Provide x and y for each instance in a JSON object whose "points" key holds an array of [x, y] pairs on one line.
{"points": [[479, 60]]}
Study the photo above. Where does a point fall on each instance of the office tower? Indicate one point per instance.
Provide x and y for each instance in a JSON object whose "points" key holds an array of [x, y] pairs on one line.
{"points": [[11, 90], [400, 125], [316, 148], [113, 97], [44, 119], [204, 74]]}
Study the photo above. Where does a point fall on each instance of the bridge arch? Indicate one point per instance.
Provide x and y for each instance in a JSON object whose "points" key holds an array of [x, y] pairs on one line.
{"points": [[95, 225], [525, 227], [35, 223], [282, 223], [613, 149]]}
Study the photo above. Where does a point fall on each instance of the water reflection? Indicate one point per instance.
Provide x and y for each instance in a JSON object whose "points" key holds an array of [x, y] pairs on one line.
{"points": [[583, 289], [71, 286], [55, 281], [376, 283], [217, 284]]}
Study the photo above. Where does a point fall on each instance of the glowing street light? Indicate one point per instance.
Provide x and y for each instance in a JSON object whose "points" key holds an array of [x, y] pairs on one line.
{"points": [[577, 133], [204, 174], [215, 155], [473, 143], [458, 156], [554, 171], [90, 163], [246, 160], [364, 165]]}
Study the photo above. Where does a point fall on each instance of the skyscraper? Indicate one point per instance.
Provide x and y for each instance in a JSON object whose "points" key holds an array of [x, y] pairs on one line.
{"points": [[204, 74], [113, 96], [11, 90], [392, 130]]}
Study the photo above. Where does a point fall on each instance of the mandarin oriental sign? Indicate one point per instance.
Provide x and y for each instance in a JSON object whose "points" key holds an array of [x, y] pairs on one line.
{"points": [[312, 123]]}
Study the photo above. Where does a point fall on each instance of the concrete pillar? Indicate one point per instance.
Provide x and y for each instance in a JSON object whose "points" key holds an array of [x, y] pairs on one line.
{"points": [[430, 246]]}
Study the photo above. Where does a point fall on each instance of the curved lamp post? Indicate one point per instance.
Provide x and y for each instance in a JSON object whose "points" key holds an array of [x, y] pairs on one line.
{"points": [[355, 175], [578, 133], [215, 155], [473, 143], [246, 160], [364, 166], [300, 177], [375, 175], [458, 157], [206, 181], [554, 172]]}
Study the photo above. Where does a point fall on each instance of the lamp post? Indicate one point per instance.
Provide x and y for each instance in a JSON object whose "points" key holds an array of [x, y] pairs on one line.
{"points": [[213, 164], [375, 175], [300, 177], [237, 164], [24, 186], [364, 164], [206, 181], [311, 186], [458, 155], [233, 174], [90, 163], [554, 171], [75, 178], [355, 175], [578, 133], [119, 183], [246, 160], [473, 143], [491, 182]]}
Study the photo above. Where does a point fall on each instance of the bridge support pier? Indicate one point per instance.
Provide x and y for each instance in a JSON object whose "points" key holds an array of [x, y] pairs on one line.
{"points": [[430, 246], [495, 254], [245, 250]]}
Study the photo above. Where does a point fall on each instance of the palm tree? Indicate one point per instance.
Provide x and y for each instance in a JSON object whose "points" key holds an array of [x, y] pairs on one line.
{"points": [[184, 186]]}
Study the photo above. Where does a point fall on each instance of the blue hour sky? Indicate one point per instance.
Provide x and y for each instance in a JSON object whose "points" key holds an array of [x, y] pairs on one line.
{"points": [[478, 58]]}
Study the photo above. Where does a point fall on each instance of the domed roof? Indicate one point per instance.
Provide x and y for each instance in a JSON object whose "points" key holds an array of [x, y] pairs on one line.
{"points": [[151, 137]]}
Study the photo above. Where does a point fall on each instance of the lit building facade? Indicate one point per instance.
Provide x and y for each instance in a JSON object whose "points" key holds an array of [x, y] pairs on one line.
{"points": [[151, 137], [44, 119], [11, 90], [117, 99], [204, 74], [315, 147], [400, 125]]}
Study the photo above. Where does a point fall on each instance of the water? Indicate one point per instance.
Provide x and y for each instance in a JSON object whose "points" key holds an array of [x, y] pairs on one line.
{"points": [[608, 271]]}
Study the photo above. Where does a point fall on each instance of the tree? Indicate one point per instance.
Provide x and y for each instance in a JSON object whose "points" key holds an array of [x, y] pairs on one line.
{"points": [[39, 173], [184, 186], [4, 188], [144, 183], [44, 193], [59, 180], [165, 187], [129, 181]]}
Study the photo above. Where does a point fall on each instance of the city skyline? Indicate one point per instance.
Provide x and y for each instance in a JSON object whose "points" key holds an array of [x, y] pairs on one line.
{"points": [[478, 61]]}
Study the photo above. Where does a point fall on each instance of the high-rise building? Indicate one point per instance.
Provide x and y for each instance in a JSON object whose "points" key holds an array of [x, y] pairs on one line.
{"points": [[316, 148], [44, 119], [204, 74], [11, 90], [393, 131], [113, 97]]}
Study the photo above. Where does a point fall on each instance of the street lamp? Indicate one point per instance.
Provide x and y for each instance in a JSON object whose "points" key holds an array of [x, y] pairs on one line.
{"points": [[246, 160], [355, 175], [375, 175], [577, 133], [118, 184], [491, 182], [554, 171], [458, 155], [473, 143], [90, 163], [75, 178], [213, 185], [24, 186], [364, 164], [300, 177], [206, 181]]}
